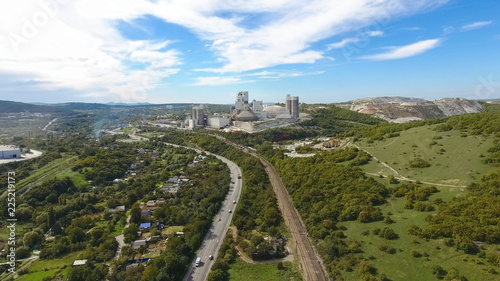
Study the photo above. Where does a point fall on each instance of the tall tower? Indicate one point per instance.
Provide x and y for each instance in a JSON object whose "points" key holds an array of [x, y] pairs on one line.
{"points": [[241, 100], [288, 104], [294, 107], [198, 115]]}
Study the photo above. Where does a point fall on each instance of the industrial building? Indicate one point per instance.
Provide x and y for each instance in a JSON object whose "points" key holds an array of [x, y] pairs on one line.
{"points": [[218, 121], [251, 117], [9, 152], [292, 106], [198, 116]]}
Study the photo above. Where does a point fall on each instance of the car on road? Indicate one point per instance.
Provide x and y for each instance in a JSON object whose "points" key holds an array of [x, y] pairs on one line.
{"points": [[234, 201], [197, 262], [210, 257], [230, 211], [239, 176], [219, 219]]}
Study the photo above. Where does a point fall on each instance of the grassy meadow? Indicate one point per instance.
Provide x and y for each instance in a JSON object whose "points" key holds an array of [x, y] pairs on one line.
{"points": [[403, 265], [454, 159], [242, 271]]}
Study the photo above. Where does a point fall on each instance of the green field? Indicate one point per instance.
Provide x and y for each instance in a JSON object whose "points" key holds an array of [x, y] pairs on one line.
{"points": [[58, 168], [402, 265], [455, 160], [38, 276], [43, 268], [242, 271]]}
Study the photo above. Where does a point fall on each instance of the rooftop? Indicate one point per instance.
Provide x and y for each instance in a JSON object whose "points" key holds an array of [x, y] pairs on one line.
{"points": [[8, 147]]}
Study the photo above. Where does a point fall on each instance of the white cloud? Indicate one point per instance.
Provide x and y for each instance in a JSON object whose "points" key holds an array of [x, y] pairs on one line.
{"points": [[62, 47], [375, 33], [276, 75], [216, 81], [406, 51], [476, 25], [343, 43], [354, 40], [78, 45]]}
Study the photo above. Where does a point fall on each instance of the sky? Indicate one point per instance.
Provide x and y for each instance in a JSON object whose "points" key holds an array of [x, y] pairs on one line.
{"points": [[206, 51]]}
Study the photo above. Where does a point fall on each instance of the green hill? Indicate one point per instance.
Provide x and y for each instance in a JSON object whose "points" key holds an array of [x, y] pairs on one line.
{"points": [[14, 107]]}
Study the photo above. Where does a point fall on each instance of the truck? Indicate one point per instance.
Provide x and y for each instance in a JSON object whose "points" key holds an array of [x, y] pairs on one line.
{"points": [[197, 262]]}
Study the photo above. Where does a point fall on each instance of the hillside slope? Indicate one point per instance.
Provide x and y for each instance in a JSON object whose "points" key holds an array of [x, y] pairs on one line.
{"points": [[402, 109]]}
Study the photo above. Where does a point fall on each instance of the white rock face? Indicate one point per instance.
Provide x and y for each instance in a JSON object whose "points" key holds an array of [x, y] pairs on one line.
{"points": [[404, 109], [458, 106]]}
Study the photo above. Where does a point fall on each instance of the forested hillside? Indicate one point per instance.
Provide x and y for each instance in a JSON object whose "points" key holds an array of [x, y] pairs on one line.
{"points": [[376, 228]]}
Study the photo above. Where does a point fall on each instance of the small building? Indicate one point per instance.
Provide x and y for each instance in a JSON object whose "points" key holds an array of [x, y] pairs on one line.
{"points": [[119, 209], [180, 233], [79, 262], [151, 203], [138, 243], [9, 152]]}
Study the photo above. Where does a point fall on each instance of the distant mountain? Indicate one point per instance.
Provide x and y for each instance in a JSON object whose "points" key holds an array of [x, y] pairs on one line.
{"points": [[14, 107], [404, 109]]}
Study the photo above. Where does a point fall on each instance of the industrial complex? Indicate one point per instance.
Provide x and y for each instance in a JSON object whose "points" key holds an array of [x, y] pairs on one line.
{"points": [[248, 116]]}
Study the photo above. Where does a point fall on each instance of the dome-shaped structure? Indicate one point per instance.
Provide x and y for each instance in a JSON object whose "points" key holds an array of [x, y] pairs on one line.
{"points": [[274, 110], [246, 115]]}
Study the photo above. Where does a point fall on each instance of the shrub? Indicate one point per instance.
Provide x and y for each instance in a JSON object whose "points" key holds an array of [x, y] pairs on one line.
{"points": [[419, 163], [388, 233]]}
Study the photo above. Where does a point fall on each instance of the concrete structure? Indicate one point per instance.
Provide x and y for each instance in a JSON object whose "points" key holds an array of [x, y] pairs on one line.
{"points": [[241, 100], [218, 121], [292, 106], [274, 110], [198, 115], [9, 152], [257, 105], [246, 115]]}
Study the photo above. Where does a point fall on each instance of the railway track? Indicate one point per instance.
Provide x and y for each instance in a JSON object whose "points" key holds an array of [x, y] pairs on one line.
{"points": [[311, 264]]}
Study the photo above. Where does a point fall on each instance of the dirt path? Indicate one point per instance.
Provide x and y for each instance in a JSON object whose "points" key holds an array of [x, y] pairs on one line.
{"points": [[401, 177]]}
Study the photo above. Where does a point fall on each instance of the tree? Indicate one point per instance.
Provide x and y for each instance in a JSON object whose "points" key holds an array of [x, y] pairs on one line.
{"points": [[76, 235], [135, 215], [130, 233], [33, 238]]}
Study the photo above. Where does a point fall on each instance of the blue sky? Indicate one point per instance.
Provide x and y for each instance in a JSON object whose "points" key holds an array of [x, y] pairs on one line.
{"points": [[206, 51]]}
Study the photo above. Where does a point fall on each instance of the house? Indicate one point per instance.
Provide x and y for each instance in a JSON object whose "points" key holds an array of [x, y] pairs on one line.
{"points": [[151, 203], [138, 243], [160, 201], [79, 262], [117, 180], [119, 209]]}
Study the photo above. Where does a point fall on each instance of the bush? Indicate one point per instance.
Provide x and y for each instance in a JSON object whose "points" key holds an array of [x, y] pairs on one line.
{"points": [[416, 254], [419, 163], [388, 233]]}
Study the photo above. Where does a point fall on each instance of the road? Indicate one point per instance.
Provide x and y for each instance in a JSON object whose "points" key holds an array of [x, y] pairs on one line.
{"points": [[215, 236], [121, 240]]}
